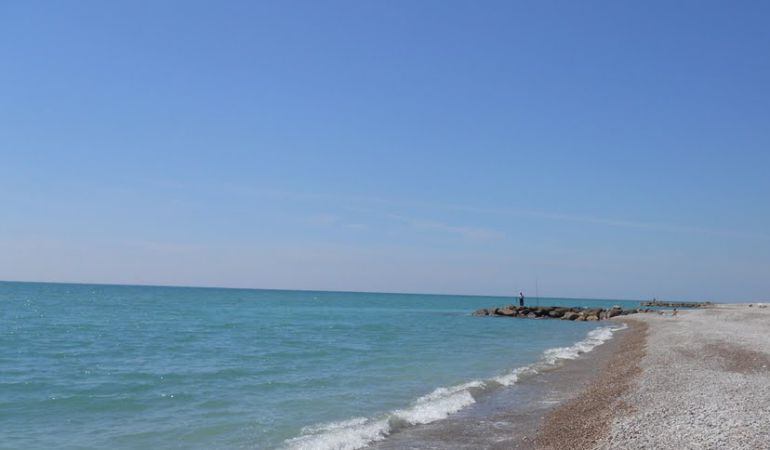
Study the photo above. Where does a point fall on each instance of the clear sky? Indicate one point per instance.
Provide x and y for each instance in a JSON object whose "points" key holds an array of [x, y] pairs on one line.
{"points": [[606, 149]]}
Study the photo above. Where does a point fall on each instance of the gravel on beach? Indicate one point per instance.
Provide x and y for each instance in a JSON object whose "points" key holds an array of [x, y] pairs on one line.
{"points": [[701, 380], [705, 382]]}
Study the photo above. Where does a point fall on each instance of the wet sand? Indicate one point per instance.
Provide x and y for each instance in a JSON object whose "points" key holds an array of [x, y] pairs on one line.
{"points": [[509, 418], [584, 421]]}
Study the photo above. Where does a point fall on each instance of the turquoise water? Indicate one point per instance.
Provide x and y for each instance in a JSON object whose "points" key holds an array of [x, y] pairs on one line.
{"points": [[94, 366]]}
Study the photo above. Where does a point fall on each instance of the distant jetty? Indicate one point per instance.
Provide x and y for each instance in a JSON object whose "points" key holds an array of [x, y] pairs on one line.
{"points": [[557, 312], [677, 304]]}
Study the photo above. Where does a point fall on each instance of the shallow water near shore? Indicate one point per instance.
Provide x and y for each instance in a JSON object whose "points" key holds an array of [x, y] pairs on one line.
{"points": [[94, 366], [509, 417]]}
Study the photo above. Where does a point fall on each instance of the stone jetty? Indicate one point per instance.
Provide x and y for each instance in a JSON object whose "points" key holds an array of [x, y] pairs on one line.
{"points": [[556, 312]]}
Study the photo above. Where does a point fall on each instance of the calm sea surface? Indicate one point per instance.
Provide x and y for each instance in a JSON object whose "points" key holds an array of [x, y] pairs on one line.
{"points": [[94, 366]]}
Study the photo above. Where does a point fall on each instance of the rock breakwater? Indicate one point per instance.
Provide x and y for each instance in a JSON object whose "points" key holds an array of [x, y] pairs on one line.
{"points": [[556, 312]]}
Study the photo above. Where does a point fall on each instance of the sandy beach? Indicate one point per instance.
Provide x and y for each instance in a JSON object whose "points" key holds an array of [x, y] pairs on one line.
{"points": [[697, 380]]}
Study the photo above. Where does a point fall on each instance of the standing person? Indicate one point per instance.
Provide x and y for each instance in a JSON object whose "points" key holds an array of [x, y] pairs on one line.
{"points": [[521, 299]]}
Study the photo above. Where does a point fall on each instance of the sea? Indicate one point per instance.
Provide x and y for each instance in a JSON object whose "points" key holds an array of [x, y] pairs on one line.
{"points": [[137, 367]]}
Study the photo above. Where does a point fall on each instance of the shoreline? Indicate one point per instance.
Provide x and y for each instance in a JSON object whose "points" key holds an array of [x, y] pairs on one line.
{"points": [[510, 417], [700, 379], [584, 421]]}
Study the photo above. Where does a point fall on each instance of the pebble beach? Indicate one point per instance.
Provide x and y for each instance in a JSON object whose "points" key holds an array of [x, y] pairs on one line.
{"points": [[696, 380]]}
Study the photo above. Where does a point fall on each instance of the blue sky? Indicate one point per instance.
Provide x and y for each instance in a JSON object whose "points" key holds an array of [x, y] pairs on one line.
{"points": [[606, 149]]}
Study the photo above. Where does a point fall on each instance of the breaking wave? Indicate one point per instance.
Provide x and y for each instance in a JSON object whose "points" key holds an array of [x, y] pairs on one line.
{"points": [[359, 432]]}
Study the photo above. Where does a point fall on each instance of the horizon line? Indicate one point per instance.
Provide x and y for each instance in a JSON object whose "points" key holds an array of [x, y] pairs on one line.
{"points": [[81, 283]]}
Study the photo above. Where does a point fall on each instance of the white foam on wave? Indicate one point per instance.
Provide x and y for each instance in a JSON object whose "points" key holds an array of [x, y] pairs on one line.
{"points": [[359, 432], [442, 392], [346, 435], [434, 409], [334, 425], [594, 339], [513, 376]]}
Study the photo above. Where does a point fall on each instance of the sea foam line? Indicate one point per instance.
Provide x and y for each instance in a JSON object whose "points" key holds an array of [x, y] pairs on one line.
{"points": [[359, 432]]}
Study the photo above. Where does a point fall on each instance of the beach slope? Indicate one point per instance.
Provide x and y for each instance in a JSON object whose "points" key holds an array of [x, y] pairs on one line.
{"points": [[703, 381]]}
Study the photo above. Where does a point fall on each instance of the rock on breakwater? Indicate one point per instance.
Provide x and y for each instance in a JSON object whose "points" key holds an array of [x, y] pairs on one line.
{"points": [[556, 312]]}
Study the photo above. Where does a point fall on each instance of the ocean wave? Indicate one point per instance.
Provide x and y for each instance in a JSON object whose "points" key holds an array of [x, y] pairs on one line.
{"points": [[359, 432], [594, 339], [513, 376], [342, 437]]}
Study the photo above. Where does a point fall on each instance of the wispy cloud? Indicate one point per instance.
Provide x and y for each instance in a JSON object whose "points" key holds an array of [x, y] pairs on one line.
{"points": [[386, 206], [651, 226], [334, 220], [474, 233], [324, 219]]}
